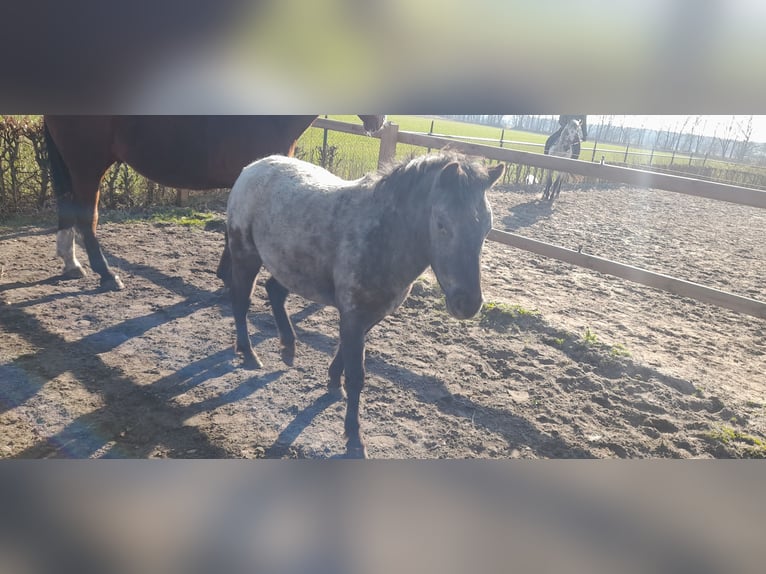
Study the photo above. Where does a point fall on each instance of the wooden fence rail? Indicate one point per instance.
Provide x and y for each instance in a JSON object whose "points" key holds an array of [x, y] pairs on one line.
{"points": [[390, 135]]}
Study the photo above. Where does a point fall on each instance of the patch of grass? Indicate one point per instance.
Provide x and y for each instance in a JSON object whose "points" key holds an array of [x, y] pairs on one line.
{"points": [[589, 337], [727, 435], [187, 216], [619, 350], [501, 315], [12, 221]]}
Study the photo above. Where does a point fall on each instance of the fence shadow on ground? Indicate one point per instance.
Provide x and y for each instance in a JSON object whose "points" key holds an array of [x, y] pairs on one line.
{"points": [[129, 424]]}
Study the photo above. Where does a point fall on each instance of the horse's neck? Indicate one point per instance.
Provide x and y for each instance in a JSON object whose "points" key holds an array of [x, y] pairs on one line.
{"points": [[570, 137], [564, 143], [404, 227]]}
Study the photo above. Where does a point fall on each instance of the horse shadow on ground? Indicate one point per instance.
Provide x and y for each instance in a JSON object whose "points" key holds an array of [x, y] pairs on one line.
{"points": [[527, 214]]}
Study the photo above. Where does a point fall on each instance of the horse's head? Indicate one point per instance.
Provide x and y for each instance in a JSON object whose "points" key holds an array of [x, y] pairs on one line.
{"points": [[572, 132], [460, 221], [373, 124]]}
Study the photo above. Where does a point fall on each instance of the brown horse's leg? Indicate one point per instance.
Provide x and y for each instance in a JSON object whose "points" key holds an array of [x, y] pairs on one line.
{"points": [[243, 273], [65, 248], [277, 296], [79, 149], [87, 220], [352, 343]]}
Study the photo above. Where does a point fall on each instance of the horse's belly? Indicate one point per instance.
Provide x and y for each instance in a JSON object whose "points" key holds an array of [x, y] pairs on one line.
{"points": [[302, 271]]}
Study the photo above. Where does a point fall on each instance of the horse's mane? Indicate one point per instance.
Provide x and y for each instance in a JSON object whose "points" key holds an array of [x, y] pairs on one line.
{"points": [[397, 179]]}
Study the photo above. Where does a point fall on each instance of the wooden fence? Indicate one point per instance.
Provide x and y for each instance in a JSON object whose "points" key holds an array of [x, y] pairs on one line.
{"points": [[390, 136]]}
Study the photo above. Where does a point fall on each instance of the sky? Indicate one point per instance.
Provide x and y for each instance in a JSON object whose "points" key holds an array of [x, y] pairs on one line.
{"points": [[707, 125]]}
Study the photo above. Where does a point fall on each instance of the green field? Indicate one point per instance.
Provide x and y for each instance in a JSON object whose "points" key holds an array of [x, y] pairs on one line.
{"points": [[351, 156]]}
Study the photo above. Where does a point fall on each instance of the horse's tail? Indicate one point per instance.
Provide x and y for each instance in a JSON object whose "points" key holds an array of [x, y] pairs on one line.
{"points": [[61, 180]]}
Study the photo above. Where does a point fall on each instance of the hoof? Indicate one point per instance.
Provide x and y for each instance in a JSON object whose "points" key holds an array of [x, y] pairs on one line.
{"points": [[288, 355], [338, 393], [356, 452], [73, 273], [252, 362], [112, 284]]}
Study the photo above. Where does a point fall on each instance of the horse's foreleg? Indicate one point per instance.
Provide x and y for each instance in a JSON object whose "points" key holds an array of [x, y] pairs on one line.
{"points": [[277, 295], [352, 345], [65, 248], [548, 179], [557, 187], [334, 388]]}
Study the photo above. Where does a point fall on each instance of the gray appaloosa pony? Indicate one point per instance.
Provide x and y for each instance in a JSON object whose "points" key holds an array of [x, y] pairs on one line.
{"points": [[358, 246]]}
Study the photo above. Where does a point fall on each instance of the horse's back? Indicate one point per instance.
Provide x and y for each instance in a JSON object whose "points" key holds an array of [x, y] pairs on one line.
{"points": [[292, 214], [282, 187]]}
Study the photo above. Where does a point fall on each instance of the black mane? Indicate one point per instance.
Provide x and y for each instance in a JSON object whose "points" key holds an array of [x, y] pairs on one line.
{"points": [[405, 176]]}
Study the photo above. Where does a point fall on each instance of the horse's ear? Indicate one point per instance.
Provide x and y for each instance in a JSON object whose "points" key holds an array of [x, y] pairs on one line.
{"points": [[450, 175], [496, 173]]}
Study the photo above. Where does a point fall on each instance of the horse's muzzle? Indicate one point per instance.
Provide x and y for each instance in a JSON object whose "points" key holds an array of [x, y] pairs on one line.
{"points": [[463, 305]]}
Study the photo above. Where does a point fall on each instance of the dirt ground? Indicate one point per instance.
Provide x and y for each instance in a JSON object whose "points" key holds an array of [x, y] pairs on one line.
{"points": [[564, 362]]}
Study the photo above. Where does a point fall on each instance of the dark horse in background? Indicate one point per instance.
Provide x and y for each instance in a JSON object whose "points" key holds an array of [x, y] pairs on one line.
{"points": [[190, 152]]}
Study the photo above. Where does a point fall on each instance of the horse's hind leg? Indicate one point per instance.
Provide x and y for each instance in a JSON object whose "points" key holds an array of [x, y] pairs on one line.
{"points": [[277, 295], [65, 248], [224, 265], [244, 270], [109, 280]]}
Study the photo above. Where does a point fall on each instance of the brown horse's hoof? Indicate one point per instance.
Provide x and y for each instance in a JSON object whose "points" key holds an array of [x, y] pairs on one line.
{"points": [[73, 273], [112, 284], [357, 452]]}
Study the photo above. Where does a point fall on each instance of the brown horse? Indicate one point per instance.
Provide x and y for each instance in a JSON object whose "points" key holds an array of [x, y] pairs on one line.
{"points": [[190, 152]]}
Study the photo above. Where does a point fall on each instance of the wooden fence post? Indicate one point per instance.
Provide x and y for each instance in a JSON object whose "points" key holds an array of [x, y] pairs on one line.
{"points": [[388, 144]]}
